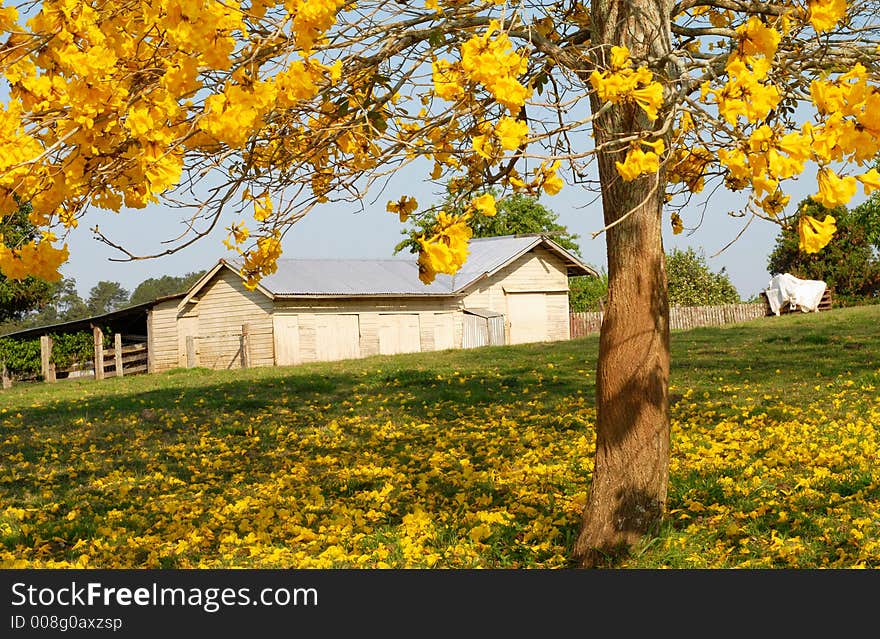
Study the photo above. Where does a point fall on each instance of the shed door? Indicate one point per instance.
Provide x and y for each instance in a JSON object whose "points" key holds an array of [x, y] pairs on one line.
{"points": [[527, 314], [474, 332], [286, 329], [187, 326], [444, 331], [337, 337], [399, 333]]}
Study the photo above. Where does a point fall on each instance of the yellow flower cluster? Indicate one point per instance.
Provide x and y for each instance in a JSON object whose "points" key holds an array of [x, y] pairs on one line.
{"points": [[622, 83], [763, 161], [546, 180], [848, 129], [813, 234], [688, 166], [262, 259], [639, 162], [833, 189], [311, 19], [103, 111], [231, 116], [747, 93], [446, 249], [39, 259], [491, 60], [506, 134], [484, 204], [511, 133], [825, 14]]}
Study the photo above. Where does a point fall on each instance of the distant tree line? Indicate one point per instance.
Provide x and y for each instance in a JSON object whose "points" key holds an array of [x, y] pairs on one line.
{"points": [[690, 283], [55, 302]]}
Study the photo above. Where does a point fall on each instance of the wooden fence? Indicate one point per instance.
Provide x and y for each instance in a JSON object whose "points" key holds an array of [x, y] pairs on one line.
{"points": [[131, 359], [680, 317]]}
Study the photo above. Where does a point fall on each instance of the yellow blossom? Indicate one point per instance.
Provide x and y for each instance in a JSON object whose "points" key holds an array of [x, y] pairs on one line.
{"points": [[677, 224], [833, 189], [550, 181], [511, 133], [639, 162], [37, 258], [870, 181], [403, 207], [485, 204], [446, 249], [813, 234], [757, 38], [262, 208], [825, 14]]}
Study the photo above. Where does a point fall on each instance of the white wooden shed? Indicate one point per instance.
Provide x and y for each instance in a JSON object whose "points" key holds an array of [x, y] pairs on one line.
{"points": [[325, 310]]}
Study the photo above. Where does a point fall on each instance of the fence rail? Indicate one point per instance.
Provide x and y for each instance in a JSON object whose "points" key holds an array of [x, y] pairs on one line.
{"points": [[680, 317], [133, 360]]}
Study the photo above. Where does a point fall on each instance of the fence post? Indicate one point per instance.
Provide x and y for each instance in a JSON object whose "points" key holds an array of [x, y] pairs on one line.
{"points": [[99, 351], [190, 351], [117, 353], [245, 346], [4, 375], [151, 363], [46, 368]]}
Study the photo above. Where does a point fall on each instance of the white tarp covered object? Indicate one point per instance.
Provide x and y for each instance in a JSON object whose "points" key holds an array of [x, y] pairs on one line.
{"points": [[800, 294]]}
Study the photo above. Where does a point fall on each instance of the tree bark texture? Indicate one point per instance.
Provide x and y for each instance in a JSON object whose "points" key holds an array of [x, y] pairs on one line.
{"points": [[627, 496]]}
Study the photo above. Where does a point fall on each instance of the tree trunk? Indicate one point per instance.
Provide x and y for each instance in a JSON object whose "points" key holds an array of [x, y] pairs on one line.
{"points": [[628, 491]]}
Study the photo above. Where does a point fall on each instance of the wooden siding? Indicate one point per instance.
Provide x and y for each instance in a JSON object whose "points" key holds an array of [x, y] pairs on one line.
{"points": [[442, 334], [187, 326], [372, 315], [399, 333], [286, 332], [162, 333], [337, 336], [558, 324], [223, 307]]}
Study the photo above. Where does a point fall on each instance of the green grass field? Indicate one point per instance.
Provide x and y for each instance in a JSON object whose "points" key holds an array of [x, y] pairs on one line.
{"points": [[459, 459]]}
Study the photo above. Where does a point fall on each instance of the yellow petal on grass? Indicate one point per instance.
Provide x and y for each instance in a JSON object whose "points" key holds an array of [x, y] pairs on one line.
{"points": [[814, 235]]}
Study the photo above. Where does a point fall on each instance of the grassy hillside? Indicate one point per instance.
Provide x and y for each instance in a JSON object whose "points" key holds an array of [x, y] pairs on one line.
{"points": [[454, 459]]}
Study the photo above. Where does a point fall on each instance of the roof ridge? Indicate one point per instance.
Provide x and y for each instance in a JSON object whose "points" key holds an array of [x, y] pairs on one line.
{"points": [[508, 236]]}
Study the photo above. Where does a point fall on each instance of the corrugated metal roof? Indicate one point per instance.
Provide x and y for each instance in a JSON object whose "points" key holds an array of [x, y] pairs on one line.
{"points": [[339, 277], [351, 277]]}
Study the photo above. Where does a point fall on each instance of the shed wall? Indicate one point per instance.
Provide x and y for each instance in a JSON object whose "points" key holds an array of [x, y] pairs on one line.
{"points": [[162, 341], [386, 325], [223, 307]]}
